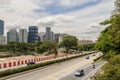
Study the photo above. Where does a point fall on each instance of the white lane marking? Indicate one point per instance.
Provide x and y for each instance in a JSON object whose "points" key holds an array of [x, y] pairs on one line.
{"points": [[93, 72], [55, 77], [70, 69]]}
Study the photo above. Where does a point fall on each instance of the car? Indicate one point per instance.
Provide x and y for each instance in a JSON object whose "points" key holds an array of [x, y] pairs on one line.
{"points": [[31, 63], [79, 73], [93, 54], [87, 57]]}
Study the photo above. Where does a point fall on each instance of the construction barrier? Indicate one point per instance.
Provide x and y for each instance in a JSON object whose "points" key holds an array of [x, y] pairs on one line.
{"points": [[22, 62], [10, 64], [14, 63], [5, 65], [18, 63]]}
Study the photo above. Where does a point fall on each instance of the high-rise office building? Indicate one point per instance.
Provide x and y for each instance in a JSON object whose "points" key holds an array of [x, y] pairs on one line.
{"points": [[12, 36], [48, 32], [52, 36], [33, 34], [2, 40], [42, 36], [56, 37], [1, 27], [23, 35]]}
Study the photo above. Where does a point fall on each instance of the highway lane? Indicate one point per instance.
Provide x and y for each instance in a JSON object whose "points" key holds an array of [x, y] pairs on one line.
{"points": [[88, 72], [57, 71]]}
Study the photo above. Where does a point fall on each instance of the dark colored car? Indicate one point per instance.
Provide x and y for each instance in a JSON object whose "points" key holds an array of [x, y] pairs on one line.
{"points": [[87, 57], [31, 63], [93, 54], [79, 73]]}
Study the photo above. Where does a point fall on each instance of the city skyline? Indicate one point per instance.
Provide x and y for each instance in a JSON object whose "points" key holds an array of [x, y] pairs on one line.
{"points": [[79, 18]]}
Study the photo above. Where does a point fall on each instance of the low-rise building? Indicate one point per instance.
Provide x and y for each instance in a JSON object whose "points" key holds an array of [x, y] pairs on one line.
{"points": [[62, 36], [2, 40], [82, 42]]}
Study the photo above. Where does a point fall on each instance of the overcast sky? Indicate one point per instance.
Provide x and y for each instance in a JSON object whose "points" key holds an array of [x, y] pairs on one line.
{"points": [[76, 17]]}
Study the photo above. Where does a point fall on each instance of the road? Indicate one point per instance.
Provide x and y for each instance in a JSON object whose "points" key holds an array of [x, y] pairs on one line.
{"points": [[88, 71], [57, 71]]}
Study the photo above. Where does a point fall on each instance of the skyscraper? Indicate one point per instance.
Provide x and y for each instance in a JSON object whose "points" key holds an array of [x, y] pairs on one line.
{"points": [[51, 35], [56, 37], [33, 34], [23, 35], [48, 32], [42, 36], [12, 36], [1, 27]]}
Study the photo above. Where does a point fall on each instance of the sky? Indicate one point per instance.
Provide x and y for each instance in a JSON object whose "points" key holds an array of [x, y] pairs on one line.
{"points": [[80, 18]]}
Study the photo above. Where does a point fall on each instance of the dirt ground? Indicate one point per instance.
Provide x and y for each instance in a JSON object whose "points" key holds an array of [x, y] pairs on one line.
{"points": [[19, 58], [23, 57]]}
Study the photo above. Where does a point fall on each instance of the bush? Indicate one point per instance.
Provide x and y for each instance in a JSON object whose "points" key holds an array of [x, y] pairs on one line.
{"points": [[5, 55], [26, 68], [111, 70], [98, 58]]}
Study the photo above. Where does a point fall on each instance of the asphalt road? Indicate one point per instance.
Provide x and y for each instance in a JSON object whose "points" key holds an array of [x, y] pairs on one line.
{"points": [[88, 72], [57, 71]]}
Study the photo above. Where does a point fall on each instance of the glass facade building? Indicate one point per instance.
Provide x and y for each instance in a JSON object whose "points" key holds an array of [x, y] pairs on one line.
{"points": [[12, 36], [1, 27], [33, 34], [48, 33], [23, 35]]}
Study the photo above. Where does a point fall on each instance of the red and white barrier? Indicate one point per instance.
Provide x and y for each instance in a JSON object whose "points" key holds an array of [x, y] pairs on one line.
{"points": [[22, 62]]}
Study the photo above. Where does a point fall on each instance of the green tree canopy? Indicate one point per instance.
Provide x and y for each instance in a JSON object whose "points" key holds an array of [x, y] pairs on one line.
{"points": [[109, 41], [69, 42], [45, 46]]}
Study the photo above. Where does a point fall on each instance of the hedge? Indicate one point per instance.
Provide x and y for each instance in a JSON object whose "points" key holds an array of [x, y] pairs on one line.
{"points": [[26, 68]]}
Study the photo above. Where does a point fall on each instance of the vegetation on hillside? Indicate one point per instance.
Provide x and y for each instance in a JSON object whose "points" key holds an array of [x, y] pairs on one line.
{"points": [[109, 41], [109, 44], [111, 71]]}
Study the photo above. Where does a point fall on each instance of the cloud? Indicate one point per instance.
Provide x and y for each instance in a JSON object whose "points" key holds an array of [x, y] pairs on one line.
{"points": [[78, 17], [72, 3], [41, 3], [55, 20], [15, 25], [88, 19], [5, 2], [65, 6], [5, 6]]}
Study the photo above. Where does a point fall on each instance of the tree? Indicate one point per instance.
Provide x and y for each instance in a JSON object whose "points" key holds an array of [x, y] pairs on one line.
{"points": [[55, 50], [69, 42], [12, 47], [111, 70], [117, 7], [46, 46], [109, 41], [3, 48], [86, 47], [23, 47]]}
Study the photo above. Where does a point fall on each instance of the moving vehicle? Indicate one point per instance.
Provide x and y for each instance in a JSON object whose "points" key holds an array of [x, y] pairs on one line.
{"points": [[93, 66], [87, 57], [93, 54], [79, 73], [31, 63]]}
